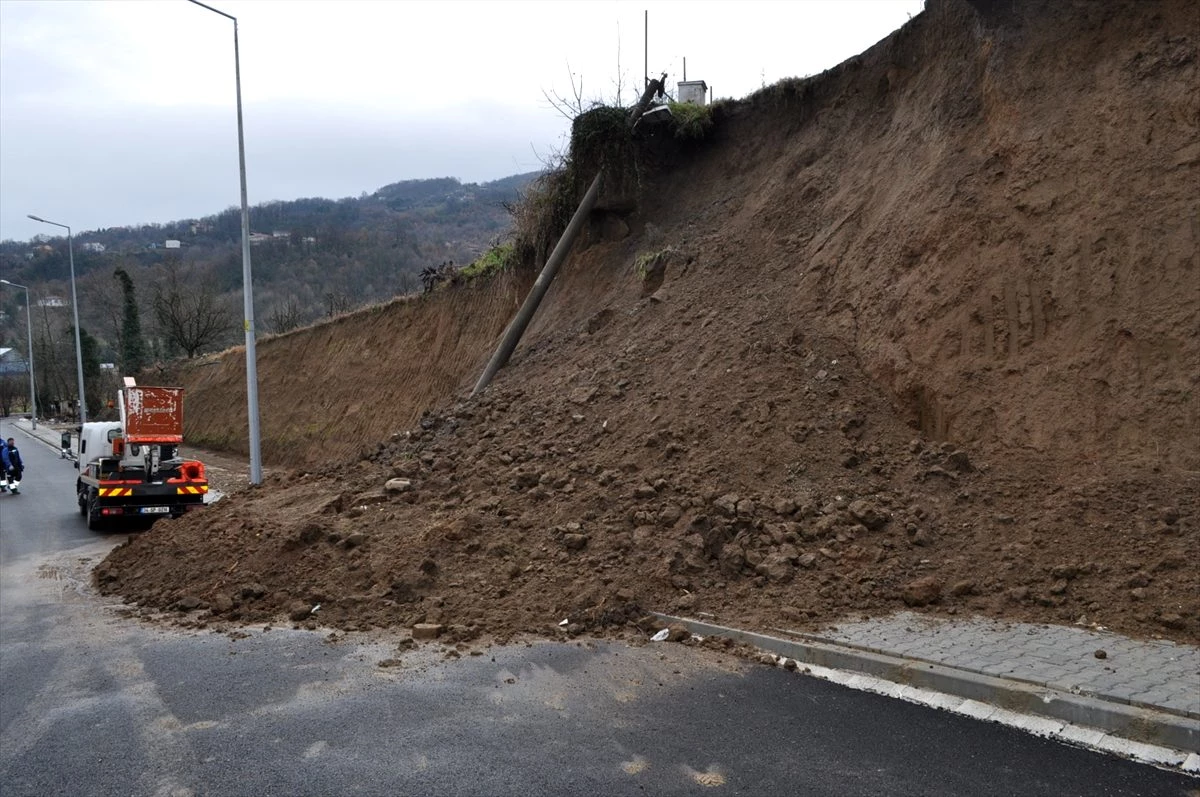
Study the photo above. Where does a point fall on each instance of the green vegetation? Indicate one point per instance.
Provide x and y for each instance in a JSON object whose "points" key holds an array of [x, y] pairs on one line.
{"points": [[493, 261], [649, 266], [692, 121]]}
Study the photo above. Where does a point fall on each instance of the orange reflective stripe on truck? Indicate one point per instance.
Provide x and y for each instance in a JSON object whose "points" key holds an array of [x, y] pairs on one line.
{"points": [[192, 489], [115, 492]]}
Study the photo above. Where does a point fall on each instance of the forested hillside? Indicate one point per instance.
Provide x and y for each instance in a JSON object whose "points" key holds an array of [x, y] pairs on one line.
{"points": [[311, 258]]}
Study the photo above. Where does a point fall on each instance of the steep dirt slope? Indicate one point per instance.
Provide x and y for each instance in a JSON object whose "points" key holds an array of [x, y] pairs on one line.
{"points": [[325, 392], [925, 335]]}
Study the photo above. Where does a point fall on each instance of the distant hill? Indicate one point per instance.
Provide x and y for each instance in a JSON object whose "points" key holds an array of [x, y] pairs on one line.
{"points": [[315, 257]]}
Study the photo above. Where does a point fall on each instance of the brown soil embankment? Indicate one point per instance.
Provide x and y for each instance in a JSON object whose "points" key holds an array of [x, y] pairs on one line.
{"points": [[328, 391], [925, 335]]}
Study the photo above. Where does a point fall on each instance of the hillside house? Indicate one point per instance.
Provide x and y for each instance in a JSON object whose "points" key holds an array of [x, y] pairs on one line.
{"points": [[11, 362]]}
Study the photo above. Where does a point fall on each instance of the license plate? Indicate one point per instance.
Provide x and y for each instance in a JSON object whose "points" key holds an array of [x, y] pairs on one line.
{"points": [[155, 510]]}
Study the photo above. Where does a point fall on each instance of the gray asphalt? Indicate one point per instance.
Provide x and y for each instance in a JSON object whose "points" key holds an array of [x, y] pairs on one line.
{"points": [[93, 702]]}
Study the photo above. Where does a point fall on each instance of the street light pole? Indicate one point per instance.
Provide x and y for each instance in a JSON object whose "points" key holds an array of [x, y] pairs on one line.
{"points": [[29, 332], [247, 289], [75, 310]]}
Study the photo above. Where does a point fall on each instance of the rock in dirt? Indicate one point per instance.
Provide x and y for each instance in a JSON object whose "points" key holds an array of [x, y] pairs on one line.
{"points": [[961, 588], [575, 542], [677, 633], [868, 514], [922, 591], [398, 485], [427, 630], [253, 590], [958, 462], [1173, 620]]}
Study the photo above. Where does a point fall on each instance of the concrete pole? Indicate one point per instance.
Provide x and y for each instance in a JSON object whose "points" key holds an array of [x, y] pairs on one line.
{"points": [[78, 346], [75, 310], [247, 277], [247, 286], [517, 326]]}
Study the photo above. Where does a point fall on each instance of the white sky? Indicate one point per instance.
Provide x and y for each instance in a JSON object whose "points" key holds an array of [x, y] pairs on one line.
{"points": [[122, 112]]}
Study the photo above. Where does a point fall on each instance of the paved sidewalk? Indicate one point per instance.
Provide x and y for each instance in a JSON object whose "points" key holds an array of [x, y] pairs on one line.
{"points": [[1152, 674], [50, 435]]}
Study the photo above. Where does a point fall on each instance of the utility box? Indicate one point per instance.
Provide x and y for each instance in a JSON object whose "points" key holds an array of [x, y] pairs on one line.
{"points": [[694, 91]]}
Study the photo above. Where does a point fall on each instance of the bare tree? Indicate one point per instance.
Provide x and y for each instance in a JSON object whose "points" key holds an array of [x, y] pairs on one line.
{"points": [[569, 107], [285, 316], [55, 356], [336, 304], [190, 314], [107, 300], [12, 389]]}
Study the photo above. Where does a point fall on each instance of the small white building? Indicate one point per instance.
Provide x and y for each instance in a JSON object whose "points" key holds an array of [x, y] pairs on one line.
{"points": [[93, 246], [171, 245], [694, 91]]}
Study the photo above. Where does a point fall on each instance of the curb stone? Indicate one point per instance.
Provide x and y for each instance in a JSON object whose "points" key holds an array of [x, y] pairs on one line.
{"points": [[1137, 732]]}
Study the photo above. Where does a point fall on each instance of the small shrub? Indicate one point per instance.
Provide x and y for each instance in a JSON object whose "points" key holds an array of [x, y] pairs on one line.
{"points": [[649, 265], [493, 261], [692, 121]]}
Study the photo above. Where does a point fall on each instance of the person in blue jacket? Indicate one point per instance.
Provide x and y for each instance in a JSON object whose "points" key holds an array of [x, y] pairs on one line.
{"points": [[16, 467], [5, 464]]}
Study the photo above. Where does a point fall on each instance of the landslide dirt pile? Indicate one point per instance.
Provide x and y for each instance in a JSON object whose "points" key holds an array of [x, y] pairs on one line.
{"points": [[919, 332]]}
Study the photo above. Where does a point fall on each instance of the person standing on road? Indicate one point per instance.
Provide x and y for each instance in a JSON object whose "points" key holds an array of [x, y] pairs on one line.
{"points": [[15, 467], [4, 465]]}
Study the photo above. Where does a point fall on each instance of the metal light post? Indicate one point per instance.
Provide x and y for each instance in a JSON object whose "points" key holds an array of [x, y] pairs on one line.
{"points": [[29, 331], [247, 291], [75, 310]]}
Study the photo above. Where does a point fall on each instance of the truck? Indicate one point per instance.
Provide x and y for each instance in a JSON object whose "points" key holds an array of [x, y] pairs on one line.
{"points": [[131, 470]]}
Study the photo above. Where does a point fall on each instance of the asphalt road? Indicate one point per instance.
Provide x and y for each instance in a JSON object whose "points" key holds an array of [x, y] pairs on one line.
{"points": [[93, 702]]}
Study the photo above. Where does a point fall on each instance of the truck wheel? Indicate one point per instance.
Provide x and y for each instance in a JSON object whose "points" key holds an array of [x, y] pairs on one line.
{"points": [[83, 507], [94, 521]]}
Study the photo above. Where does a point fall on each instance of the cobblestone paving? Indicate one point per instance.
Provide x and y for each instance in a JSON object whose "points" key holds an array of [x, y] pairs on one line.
{"points": [[1154, 673]]}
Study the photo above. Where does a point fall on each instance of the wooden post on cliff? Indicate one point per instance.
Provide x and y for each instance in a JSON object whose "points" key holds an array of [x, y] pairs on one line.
{"points": [[516, 327]]}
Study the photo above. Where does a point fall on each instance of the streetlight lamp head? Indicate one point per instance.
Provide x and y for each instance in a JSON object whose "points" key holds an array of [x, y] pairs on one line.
{"points": [[6, 282], [38, 218]]}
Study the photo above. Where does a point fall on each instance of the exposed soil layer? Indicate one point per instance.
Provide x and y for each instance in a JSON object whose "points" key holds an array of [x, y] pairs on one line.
{"points": [[922, 333]]}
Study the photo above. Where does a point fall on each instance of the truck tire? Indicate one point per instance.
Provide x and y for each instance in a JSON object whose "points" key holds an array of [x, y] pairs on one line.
{"points": [[92, 512], [83, 507]]}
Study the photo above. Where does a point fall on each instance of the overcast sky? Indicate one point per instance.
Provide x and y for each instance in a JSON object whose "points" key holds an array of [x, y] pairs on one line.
{"points": [[122, 112]]}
